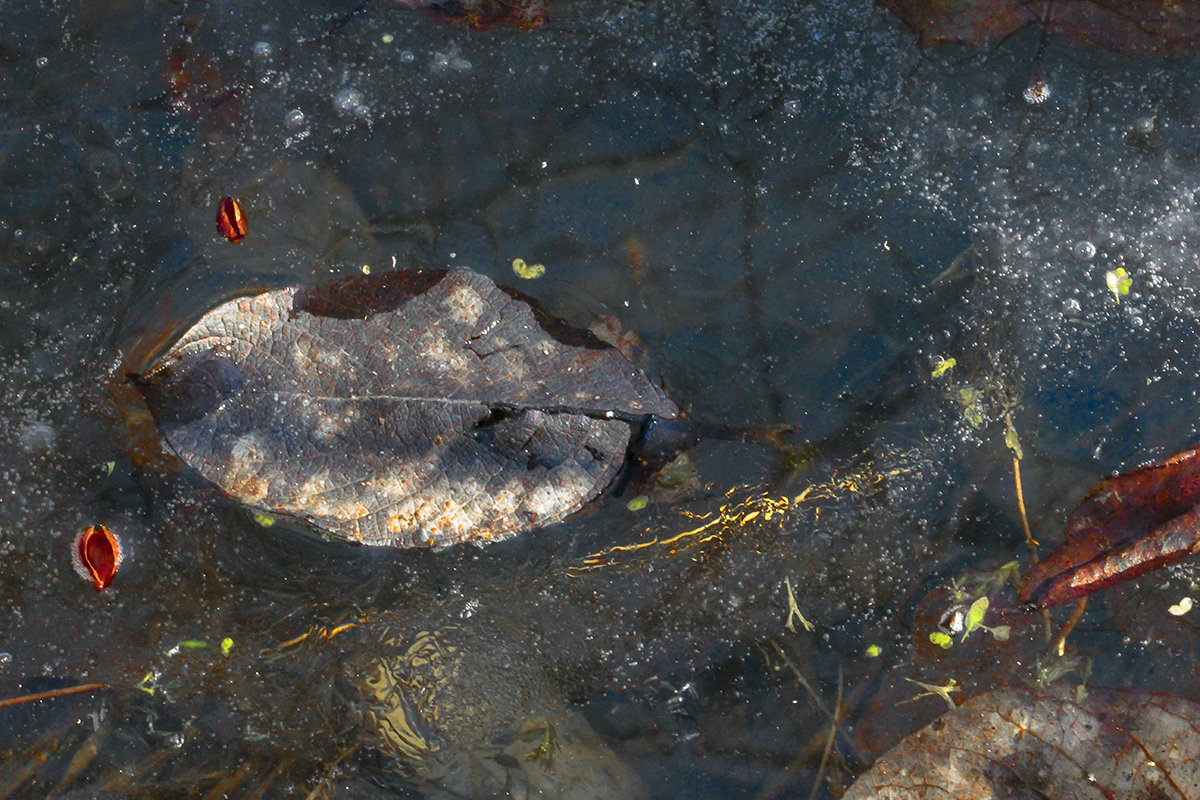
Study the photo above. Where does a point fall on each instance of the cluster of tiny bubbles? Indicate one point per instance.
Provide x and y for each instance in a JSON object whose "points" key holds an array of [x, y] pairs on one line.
{"points": [[5, 659], [407, 56], [269, 76], [350, 102], [451, 61]]}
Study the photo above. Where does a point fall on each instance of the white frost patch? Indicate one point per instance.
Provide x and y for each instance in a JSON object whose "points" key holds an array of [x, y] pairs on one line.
{"points": [[555, 502], [246, 450], [335, 423], [463, 304], [307, 359], [441, 357], [312, 488], [36, 436]]}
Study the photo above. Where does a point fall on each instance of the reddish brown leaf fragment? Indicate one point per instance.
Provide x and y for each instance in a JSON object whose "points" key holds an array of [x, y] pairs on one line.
{"points": [[194, 80], [1172, 542], [96, 554], [231, 220], [1129, 524], [967, 22], [1128, 27], [483, 14]]}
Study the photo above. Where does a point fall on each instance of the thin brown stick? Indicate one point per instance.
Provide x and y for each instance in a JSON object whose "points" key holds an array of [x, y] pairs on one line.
{"points": [[800, 679], [1060, 643], [33, 698], [829, 742], [1033, 543], [776, 786]]}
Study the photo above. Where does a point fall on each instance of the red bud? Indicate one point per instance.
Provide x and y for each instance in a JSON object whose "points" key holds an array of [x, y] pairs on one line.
{"points": [[231, 220], [96, 554]]}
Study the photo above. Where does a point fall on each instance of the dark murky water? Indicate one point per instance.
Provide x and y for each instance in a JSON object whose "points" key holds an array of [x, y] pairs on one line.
{"points": [[800, 214]]}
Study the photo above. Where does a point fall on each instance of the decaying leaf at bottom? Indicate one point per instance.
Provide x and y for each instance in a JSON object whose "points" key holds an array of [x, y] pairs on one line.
{"points": [[410, 409], [1012, 743]]}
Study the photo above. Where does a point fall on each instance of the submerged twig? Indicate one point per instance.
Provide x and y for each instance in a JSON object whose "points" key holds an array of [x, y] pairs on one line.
{"points": [[831, 739], [36, 696], [1060, 644], [776, 787], [1010, 439]]}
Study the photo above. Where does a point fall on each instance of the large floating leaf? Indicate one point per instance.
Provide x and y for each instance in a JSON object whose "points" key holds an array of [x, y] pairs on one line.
{"points": [[409, 409], [1011, 743]]}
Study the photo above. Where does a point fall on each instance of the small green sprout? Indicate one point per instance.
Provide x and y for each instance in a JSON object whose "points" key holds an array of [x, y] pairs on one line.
{"points": [[147, 683], [943, 366], [1058, 667], [794, 610], [971, 399], [186, 644], [1010, 437], [975, 617], [226, 646], [943, 692], [1118, 282], [1008, 574], [638, 503], [974, 622], [547, 746]]}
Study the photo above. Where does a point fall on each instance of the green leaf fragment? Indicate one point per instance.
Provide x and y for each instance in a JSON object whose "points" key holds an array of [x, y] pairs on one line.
{"points": [[226, 646], [266, 520], [944, 691], [638, 503], [874, 651], [944, 366], [941, 639], [193, 644], [527, 271]]}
